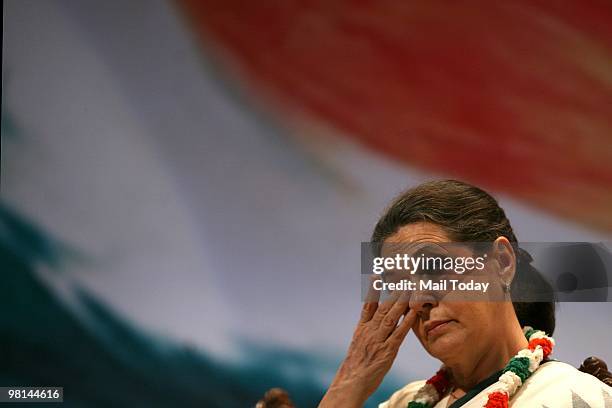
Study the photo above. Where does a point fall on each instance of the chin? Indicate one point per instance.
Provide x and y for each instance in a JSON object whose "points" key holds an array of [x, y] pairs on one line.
{"points": [[447, 344]]}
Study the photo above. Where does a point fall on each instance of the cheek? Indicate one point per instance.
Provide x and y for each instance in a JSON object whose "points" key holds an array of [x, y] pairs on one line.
{"points": [[477, 316]]}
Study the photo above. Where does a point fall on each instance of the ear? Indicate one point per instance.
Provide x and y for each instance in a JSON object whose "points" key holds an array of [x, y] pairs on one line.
{"points": [[506, 259]]}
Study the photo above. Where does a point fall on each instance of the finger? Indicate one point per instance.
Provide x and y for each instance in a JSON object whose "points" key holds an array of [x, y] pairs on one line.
{"points": [[399, 334], [384, 307], [370, 302], [393, 316]]}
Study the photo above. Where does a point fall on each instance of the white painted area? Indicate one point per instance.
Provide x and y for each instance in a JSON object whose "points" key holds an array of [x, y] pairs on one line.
{"points": [[85, 169]]}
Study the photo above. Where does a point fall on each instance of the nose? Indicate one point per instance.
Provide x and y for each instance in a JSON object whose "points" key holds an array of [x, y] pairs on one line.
{"points": [[423, 301]]}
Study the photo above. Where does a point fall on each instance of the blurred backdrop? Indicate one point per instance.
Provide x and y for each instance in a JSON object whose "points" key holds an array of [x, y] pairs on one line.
{"points": [[185, 185]]}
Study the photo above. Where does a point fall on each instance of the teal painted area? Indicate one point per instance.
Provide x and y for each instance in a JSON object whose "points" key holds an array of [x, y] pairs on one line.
{"points": [[101, 360]]}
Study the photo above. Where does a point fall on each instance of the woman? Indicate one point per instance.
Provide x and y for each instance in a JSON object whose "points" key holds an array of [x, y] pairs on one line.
{"points": [[490, 355]]}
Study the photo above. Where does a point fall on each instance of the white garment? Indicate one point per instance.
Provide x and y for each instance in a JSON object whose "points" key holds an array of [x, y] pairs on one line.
{"points": [[553, 385]]}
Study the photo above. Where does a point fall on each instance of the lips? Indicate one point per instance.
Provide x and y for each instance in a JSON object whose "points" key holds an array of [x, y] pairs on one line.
{"points": [[433, 324]]}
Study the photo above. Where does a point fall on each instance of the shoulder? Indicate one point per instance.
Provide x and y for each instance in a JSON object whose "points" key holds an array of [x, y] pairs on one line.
{"points": [[401, 397], [554, 373], [404, 395], [557, 384]]}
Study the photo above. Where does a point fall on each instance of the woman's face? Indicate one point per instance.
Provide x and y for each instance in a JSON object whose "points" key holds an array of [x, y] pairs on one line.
{"points": [[448, 329]]}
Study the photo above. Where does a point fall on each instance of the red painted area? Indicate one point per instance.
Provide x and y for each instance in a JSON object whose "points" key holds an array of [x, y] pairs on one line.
{"points": [[514, 96]]}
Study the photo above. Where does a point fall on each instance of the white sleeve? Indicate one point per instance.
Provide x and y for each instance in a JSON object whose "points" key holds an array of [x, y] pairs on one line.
{"points": [[401, 397]]}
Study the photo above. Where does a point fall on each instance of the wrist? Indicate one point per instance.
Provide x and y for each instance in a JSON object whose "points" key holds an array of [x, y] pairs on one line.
{"points": [[345, 394]]}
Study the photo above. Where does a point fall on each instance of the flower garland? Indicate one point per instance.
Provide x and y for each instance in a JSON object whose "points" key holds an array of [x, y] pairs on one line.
{"points": [[516, 372]]}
